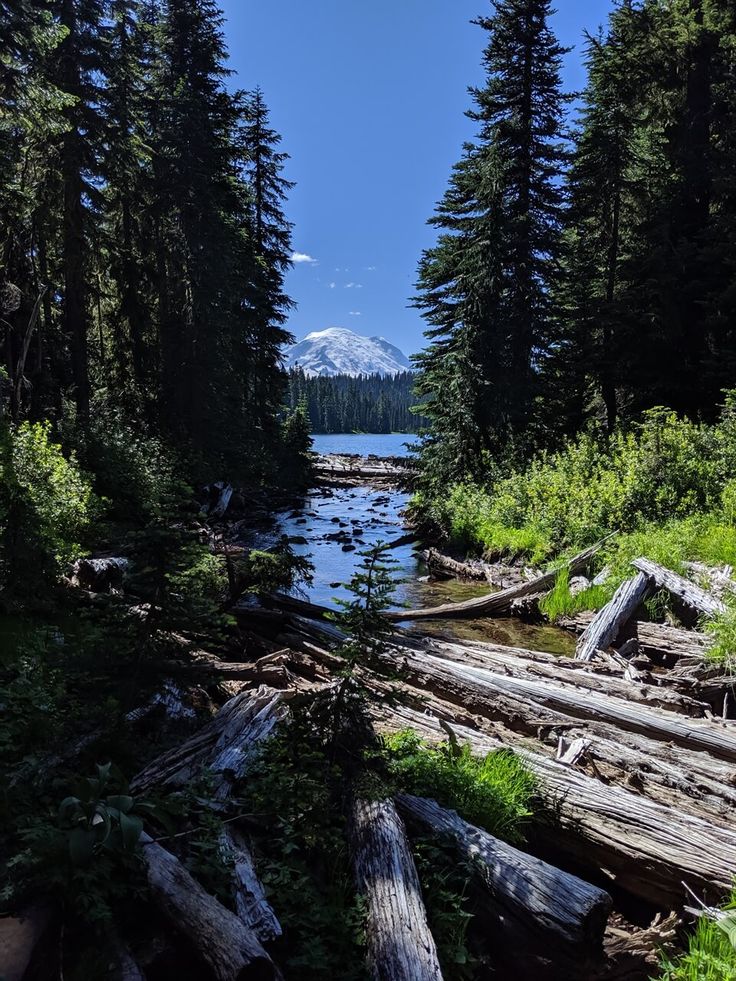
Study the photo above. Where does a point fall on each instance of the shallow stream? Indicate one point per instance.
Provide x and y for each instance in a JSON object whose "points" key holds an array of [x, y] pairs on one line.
{"points": [[334, 525]]}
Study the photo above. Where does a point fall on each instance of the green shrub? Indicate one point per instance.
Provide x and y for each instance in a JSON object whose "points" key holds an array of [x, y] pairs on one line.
{"points": [[666, 472], [135, 472], [46, 505], [494, 792]]}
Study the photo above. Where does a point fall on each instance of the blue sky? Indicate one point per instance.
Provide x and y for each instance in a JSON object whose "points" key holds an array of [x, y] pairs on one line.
{"points": [[369, 97]]}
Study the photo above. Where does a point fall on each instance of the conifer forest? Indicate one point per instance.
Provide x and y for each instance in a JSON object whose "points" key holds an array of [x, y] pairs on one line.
{"points": [[456, 699]]}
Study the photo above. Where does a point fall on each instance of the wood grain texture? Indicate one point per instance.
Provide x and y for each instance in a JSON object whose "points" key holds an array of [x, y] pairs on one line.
{"points": [[400, 944]]}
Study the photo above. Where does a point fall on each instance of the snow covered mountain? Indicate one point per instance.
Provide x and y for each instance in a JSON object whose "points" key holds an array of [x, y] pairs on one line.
{"points": [[338, 351]]}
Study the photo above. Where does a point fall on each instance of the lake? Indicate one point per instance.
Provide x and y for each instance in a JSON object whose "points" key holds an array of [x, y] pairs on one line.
{"points": [[378, 444]]}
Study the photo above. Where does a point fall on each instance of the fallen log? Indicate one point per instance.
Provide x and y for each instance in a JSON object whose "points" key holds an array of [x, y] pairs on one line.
{"points": [[474, 571], [479, 687], [251, 904], [660, 642], [563, 907], [224, 745], [608, 622], [496, 604], [400, 944], [685, 590], [668, 774], [646, 848], [520, 663], [230, 949]]}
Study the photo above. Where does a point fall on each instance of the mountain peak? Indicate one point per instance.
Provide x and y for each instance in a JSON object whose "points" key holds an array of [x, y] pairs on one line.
{"points": [[339, 351]]}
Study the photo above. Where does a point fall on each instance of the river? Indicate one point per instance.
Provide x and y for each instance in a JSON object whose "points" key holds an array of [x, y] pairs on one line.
{"points": [[333, 525]]}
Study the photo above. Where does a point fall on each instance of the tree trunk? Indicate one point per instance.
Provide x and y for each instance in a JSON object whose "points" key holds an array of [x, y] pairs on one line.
{"points": [[496, 604], [660, 642], [608, 622], [231, 950], [648, 849], [559, 905], [225, 745], [251, 904], [400, 945], [695, 597]]}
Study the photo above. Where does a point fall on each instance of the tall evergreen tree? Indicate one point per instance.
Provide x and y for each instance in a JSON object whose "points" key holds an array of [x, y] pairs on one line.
{"points": [[80, 63], [485, 287], [263, 165]]}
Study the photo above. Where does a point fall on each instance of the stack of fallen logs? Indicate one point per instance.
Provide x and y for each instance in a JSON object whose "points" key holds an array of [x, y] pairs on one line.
{"points": [[637, 781]]}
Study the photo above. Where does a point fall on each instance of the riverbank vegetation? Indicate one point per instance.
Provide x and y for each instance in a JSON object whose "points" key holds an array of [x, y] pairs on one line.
{"points": [[553, 348]]}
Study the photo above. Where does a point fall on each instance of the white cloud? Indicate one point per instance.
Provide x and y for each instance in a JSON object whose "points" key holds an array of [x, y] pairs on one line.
{"points": [[353, 286], [355, 313], [303, 257], [331, 285], [370, 268]]}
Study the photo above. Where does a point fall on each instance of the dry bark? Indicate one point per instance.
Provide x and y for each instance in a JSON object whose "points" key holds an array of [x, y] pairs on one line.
{"points": [[495, 604], [251, 904], [231, 950], [400, 944], [608, 622], [658, 641], [690, 594], [475, 571], [224, 745], [647, 848], [563, 907]]}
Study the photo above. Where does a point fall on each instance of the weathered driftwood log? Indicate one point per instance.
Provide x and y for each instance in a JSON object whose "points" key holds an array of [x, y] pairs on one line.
{"points": [[251, 904], [599, 678], [354, 469], [480, 688], [223, 745], [475, 571], [608, 622], [717, 580], [647, 848], [686, 591], [400, 944], [690, 780], [495, 604], [658, 641], [542, 897], [231, 950]]}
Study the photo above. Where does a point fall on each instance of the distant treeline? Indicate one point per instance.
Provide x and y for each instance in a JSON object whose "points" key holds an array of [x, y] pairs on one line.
{"points": [[369, 403]]}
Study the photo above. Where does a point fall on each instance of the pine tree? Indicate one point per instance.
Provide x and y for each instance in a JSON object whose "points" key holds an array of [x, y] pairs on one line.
{"points": [[80, 62], [484, 288], [263, 166], [605, 194], [126, 168]]}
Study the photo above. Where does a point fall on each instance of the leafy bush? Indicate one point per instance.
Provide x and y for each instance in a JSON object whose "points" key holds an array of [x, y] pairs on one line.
{"points": [[494, 792], [134, 471], [665, 470], [46, 505]]}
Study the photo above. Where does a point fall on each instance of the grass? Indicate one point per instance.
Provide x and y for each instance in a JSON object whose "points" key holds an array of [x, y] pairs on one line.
{"points": [[710, 955], [560, 602], [495, 792], [722, 632]]}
